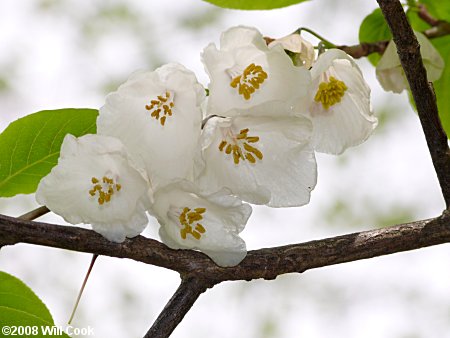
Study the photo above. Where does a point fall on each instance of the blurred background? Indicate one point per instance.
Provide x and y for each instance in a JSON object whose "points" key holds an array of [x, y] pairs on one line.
{"points": [[68, 53]]}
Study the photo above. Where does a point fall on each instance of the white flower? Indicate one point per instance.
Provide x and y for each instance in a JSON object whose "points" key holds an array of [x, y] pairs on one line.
{"points": [[340, 109], [245, 73], [302, 50], [209, 223], [263, 160], [389, 70], [94, 182], [157, 116]]}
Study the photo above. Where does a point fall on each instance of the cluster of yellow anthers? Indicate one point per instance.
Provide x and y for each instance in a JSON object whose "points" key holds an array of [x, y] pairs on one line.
{"points": [[249, 153], [330, 93], [165, 102], [187, 217], [105, 189], [250, 80]]}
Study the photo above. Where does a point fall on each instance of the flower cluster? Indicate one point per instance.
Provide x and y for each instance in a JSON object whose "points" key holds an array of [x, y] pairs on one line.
{"points": [[163, 148]]}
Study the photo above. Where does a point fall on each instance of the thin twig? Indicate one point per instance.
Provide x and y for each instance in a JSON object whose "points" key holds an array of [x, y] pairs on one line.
{"points": [[177, 307], [77, 301], [365, 48], [33, 214], [426, 16], [408, 50]]}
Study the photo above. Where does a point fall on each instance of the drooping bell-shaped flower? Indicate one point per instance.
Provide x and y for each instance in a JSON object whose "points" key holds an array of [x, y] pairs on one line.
{"points": [[389, 70], [246, 73], [340, 104], [157, 116], [263, 160], [209, 223], [95, 182], [301, 51]]}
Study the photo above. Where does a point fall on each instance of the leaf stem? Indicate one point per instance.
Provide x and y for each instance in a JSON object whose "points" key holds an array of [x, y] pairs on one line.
{"points": [[325, 42]]}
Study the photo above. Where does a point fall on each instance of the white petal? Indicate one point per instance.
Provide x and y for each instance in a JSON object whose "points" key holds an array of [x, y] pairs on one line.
{"points": [[284, 82], [285, 175], [295, 43], [348, 122], [66, 190], [241, 36], [327, 59], [223, 218], [167, 151]]}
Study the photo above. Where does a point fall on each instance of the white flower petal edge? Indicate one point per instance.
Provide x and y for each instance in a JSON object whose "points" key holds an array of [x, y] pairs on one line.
{"points": [[340, 109], [262, 160], [157, 116], [209, 223], [303, 50], [246, 73], [390, 73], [94, 182]]}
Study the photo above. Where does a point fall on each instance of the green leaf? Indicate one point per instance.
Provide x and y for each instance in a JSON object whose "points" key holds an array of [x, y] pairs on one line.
{"points": [[442, 44], [442, 86], [373, 29], [254, 4], [16, 295], [19, 306], [29, 147], [438, 8]]}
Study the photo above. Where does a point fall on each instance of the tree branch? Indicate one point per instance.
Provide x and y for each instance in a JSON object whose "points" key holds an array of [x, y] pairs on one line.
{"points": [[409, 53], [438, 29], [365, 48], [177, 307], [264, 263]]}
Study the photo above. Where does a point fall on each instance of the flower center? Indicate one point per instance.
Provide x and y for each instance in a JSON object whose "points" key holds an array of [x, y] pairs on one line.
{"points": [[104, 188], [161, 107], [239, 146], [250, 80], [189, 220], [330, 93]]}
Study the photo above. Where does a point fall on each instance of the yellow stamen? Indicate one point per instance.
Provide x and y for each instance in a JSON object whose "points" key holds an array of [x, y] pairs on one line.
{"points": [[250, 80], [187, 218], [330, 93], [161, 107], [253, 150], [228, 149], [240, 148], [105, 190], [250, 158], [200, 228], [252, 139], [222, 145]]}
